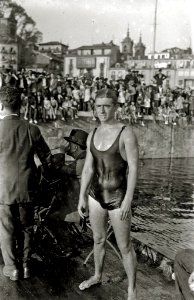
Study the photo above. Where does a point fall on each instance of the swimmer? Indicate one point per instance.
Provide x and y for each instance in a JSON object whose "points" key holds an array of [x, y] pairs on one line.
{"points": [[110, 174]]}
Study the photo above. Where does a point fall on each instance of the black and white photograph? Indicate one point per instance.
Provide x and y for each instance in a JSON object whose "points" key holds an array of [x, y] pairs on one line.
{"points": [[96, 149]]}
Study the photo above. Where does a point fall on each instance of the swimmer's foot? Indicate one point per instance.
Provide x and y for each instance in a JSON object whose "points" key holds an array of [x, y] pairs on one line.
{"points": [[132, 295], [88, 283]]}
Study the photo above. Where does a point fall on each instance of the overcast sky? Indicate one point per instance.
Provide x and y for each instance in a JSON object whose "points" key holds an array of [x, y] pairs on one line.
{"points": [[84, 22]]}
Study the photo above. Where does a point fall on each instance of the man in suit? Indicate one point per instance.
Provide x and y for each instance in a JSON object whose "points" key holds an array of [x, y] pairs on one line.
{"points": [[19, 141], [184, 274]]}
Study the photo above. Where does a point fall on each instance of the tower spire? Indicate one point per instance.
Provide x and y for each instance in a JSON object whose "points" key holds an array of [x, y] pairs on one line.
{"points": [[128, 31], [140, 37]]}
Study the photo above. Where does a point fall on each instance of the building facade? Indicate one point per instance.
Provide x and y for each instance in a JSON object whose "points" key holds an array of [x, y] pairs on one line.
{"points": [[8, 40], [94, 60], [53, 47], [179, 72]]}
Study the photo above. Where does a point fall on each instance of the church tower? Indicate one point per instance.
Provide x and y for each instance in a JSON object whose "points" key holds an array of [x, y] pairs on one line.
{"points": [[139, 49], [127, 46]]}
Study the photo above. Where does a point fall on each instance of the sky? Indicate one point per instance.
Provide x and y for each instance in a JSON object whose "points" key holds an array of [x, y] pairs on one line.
{"points": [[86, 22]]}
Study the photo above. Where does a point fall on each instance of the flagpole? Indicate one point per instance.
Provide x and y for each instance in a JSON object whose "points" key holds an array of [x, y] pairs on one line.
{"points": [[154, 35]]}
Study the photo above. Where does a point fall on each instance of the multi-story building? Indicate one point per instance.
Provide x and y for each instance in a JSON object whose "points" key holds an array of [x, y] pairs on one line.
{"points": [[95, 60], [180, 72], [8, 40], [42, 61], [56, 48]]}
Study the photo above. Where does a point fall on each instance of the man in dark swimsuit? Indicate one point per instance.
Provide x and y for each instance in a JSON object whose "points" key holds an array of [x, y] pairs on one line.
{"points": [[110, 173]]}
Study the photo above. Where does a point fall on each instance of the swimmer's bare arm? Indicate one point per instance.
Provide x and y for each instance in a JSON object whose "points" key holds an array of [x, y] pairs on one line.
{"points": [[191, 281], [130, 151], [87, 174]]}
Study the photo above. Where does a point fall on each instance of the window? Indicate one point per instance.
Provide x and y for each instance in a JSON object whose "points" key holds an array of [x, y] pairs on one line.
{"points": [[71, 67], [120, 75], [125, 48], [113, 75], [101, 69], [180, 82], [167, 82]]}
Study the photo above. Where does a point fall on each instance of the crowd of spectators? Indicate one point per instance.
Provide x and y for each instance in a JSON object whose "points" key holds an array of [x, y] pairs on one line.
{"points": [[46, 96]]}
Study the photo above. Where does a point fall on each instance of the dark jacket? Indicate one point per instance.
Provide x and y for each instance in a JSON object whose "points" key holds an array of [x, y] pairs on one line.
{"points": [[160, 78], [75, 168], [19, 141]]}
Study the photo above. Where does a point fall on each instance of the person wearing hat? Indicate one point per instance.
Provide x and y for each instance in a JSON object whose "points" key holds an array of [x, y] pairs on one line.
{"points": [[75, 148], [71, 176], [128, 76]]}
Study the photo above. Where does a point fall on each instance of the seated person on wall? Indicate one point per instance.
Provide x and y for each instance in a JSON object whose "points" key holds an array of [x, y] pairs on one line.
{"points": [[184, 274], [71, 172]]}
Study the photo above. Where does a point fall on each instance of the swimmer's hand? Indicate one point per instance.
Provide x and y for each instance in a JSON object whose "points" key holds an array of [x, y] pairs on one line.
{"points": [[191, 281], [125, 210], [83, 207]]}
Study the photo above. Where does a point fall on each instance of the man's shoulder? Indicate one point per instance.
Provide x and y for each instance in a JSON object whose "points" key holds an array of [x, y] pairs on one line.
{"points": [[128, 134]]}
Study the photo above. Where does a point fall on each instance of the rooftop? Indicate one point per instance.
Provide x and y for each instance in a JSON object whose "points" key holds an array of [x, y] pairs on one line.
{"points": [[98, 46], [52, 43]]}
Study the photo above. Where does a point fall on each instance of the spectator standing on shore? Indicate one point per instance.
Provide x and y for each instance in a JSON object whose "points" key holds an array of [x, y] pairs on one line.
{"points": [[18, 186], [184, 274], [128, 77], [54, 108], [46, 108], [86, 101], [159, 78], [191, 106], [178, 103], [111, 151]]}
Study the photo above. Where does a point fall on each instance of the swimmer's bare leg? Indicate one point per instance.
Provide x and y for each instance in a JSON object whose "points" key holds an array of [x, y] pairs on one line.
{"points": [[98, 221], [122, 234]]}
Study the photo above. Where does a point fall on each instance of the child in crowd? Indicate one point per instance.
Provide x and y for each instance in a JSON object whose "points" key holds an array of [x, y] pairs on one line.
{"points": [[173, 115], [24, 101], [121, 96], [74, 108], [87, 95], [166, 113], [119, 113], [54, 108], [39, 100], [32, 108], [64, 109], [46, 108], [132, 111], [147, 105]]}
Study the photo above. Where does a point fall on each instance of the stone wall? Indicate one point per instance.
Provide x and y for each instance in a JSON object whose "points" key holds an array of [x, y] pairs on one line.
{"points": [[161, 141], [155, 140]]}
